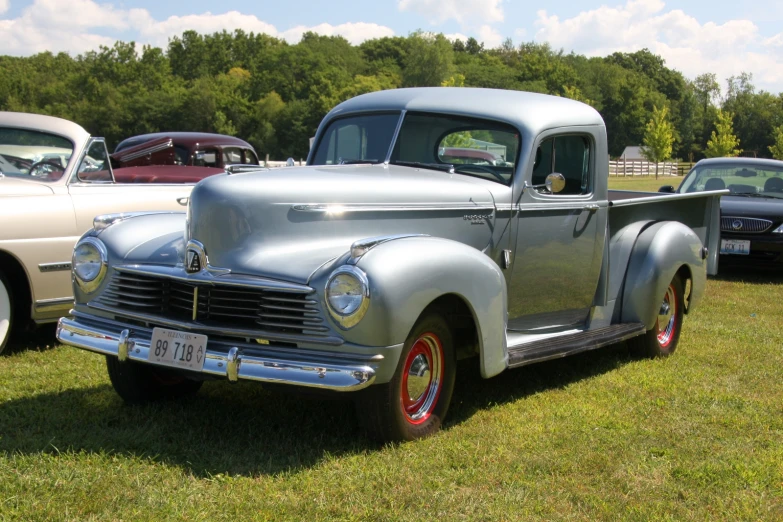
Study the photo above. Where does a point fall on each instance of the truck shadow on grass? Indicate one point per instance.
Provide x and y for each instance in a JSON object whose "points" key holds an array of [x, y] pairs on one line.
{"points": [[243, 429], [750, 275], [39, 339]]}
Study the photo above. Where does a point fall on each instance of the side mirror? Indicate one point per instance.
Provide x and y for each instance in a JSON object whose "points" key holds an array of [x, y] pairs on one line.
{"points": [[668, 189], [555, 182], [290, 162]]}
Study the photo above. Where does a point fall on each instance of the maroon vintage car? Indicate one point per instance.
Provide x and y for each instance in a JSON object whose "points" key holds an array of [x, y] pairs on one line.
{"points": [[198, 149]]}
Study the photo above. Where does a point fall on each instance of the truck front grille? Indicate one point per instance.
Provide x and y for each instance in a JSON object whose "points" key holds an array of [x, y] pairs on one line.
{"points": [[215, 305]]}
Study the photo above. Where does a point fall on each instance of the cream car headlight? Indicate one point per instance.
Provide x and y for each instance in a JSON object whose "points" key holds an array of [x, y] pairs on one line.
{"points": [[347, 295], [89, 262]]}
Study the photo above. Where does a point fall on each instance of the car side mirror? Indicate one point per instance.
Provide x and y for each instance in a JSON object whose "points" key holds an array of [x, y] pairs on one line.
{"points": [[668, 189], [555, 182], [290, 162]]}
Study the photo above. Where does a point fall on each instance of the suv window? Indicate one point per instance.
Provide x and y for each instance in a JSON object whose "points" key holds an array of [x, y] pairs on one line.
{"points": [[568, 155]]}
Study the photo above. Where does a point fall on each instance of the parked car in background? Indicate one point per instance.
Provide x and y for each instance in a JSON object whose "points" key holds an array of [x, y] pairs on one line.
{"points": [[54, 179], [373, 269], [199, 149], [752, 211]]}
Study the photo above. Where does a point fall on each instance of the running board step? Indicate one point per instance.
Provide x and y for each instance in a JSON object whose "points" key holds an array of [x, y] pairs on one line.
{"points": [[561, 346]]}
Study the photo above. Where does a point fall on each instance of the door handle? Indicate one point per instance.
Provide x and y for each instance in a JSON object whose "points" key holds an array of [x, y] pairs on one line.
{"points": [[183, 201], [592, 207]]}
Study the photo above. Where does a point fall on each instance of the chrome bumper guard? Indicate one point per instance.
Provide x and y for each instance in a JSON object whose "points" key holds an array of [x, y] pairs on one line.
{"points": [[234, 365]]}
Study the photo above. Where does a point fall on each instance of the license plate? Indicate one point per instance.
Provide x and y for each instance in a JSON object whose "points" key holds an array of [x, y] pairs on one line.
{"points": [[178, 349], [735, 246]]}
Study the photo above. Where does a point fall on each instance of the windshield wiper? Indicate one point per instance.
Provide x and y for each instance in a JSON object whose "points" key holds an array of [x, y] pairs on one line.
{"points": [[436, 166]]}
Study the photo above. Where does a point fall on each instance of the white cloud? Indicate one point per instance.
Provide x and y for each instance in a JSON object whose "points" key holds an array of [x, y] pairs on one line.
{"points": [[466, 12], [490, 36], [4, 5], [686, 44], [355, 33], [40, 27], [456, 36]]}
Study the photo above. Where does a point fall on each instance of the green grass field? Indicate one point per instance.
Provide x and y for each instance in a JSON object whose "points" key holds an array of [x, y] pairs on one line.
{"points": [[599, 436], [645, 183]]}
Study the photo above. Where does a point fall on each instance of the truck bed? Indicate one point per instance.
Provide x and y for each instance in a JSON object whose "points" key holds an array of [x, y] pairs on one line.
{"points": [[696, 210]]}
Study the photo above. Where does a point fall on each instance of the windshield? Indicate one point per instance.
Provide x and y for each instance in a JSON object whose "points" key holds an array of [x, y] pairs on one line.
{"points": [[33, 154], [457, 144], [742, 179]]}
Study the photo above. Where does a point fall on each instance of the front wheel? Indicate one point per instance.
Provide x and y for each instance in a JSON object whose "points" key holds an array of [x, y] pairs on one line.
{"points": [[138, 382], [6, 311], [414, 403], [661, 340]]}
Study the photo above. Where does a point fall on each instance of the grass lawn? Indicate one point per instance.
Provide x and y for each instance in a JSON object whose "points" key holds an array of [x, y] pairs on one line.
{"points": [[645, 183], [599, 436]]}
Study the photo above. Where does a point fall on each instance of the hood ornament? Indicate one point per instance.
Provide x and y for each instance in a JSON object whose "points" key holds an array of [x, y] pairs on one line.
{"points": [[196, 260], [195, 257]]}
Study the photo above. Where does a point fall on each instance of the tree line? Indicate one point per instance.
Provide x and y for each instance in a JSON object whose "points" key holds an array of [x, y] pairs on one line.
{"points": [[274, 94]]}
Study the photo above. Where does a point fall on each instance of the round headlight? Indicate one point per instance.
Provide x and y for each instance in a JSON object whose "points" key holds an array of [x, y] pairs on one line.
{"points": [[347, 295], [89, 263]]}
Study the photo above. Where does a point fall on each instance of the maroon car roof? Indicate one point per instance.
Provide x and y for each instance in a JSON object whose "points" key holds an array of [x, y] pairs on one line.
{"points": [[189, 139]]}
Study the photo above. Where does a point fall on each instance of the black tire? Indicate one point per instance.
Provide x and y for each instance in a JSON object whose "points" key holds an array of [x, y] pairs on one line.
{"points": [[138, 382], [388, 415], [6, 314], [661, 340]]}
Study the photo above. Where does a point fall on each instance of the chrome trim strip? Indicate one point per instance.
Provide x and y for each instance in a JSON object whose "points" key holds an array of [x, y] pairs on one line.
{"points": [[143, 152], [662, 197], [55, 267], [233, 365], [362, 246], [395, 136], [317, 337], [554, 206], [51, 305], [104, 221], [178, 273], [338, 208]]}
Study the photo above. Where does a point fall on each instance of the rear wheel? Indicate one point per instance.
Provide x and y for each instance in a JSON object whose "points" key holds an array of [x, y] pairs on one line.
{"points": [[6, 311], [137, 382], [661, 340], [414, 403]]}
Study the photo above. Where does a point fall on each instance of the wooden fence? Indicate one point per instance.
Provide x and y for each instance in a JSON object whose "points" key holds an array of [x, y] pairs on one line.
{"points": [[647, 168]]}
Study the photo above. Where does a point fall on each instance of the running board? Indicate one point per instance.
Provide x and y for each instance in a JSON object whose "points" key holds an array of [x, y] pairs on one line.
{"points": [[563, 345]]}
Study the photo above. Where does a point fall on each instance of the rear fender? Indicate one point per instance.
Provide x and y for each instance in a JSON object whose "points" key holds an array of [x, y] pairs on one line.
{"points": [[406, 275], [661, 250]]}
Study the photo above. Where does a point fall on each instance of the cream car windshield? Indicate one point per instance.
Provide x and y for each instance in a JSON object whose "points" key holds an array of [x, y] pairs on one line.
{"points": [[33, 155], [741, 179]]}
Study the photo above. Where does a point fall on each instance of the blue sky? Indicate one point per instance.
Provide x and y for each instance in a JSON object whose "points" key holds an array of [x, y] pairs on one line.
{"points": [[694, 37]]}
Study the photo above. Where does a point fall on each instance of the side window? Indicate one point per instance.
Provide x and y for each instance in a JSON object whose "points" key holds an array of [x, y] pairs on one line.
{"points": [[232, 155], [95, 164], [206, 158], [250, 158], [569, 156]]}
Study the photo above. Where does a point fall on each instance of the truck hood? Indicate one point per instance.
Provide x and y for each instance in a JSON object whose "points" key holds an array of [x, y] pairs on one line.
{"points": [[12, 186], [286, 223]]}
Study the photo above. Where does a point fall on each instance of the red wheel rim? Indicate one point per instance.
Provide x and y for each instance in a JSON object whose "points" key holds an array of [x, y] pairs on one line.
{"points": [[667, 318], [422, 378]]}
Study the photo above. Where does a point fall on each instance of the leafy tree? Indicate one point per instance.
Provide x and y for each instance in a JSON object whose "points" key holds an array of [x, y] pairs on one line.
{"points": [[777, 147], [658, 138], [457, 80], [429, 60], [723, 142]]}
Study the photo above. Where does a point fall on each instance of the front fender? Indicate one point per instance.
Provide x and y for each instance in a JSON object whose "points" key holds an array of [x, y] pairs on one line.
{"points": [[661, 250], [406, 275]]}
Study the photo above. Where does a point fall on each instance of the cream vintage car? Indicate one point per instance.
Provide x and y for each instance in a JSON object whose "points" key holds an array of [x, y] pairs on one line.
{"points": [[54, 180]]}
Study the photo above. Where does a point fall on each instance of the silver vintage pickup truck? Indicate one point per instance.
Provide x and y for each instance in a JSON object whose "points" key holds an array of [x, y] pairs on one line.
{"points": [[429, 225]]}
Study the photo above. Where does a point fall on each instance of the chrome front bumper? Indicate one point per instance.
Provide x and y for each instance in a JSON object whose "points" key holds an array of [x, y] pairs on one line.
{"points": [[133, 344]]}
